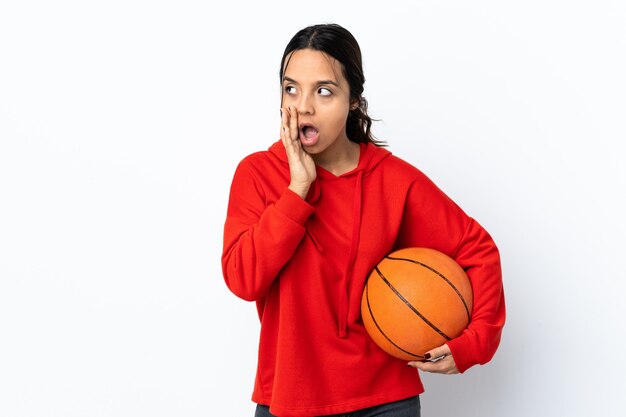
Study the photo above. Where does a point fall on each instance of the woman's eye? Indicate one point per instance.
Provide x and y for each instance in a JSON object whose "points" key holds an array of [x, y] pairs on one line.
{"points": [[323, 91]]}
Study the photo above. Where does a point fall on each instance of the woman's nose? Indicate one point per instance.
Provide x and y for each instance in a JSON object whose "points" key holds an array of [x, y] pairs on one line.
{"points": [[305, 104]]}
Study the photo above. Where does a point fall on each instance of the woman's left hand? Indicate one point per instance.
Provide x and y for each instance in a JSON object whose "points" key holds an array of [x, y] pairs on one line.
{"points": [[445, 365]]}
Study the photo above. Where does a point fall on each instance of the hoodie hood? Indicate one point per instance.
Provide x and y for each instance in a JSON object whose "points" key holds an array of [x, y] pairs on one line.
{"points": [[369, 158]]}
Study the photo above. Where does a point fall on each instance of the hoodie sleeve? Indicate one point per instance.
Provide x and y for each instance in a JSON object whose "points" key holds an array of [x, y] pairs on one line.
{"points": [[259, 238], [431, 219]]}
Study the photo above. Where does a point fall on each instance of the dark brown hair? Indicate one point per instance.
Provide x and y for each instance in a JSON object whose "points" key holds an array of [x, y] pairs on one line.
{"points": [[339, 43]]}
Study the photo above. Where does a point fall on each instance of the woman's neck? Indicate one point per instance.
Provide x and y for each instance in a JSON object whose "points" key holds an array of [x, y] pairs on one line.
{"points": [[341, 159]]}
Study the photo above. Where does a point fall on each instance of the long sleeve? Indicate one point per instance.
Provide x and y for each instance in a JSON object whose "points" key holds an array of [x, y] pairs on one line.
{"points": [[432, 219], [259, 237], [479, 256]]}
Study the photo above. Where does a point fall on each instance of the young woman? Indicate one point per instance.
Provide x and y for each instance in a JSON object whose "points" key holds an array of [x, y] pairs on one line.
{"points": [[307, 221]]}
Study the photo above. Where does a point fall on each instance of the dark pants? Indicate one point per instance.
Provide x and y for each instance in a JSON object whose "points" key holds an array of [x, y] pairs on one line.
{"points": [[404, 408]]}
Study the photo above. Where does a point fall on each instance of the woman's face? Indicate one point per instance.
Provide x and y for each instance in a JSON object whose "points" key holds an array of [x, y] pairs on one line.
{"points": [[314, 86]]}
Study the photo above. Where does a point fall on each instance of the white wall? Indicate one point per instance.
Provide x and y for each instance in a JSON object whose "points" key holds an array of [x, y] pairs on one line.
{"points": [[121, 124]]}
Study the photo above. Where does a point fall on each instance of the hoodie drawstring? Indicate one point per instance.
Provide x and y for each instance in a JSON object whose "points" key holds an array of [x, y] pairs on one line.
{"points": [[356, 229], [311, 198]]}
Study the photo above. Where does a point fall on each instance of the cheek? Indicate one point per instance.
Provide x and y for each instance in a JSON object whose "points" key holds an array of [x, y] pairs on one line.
{"points": [[337, 120], [285, 98], [340, 115]]}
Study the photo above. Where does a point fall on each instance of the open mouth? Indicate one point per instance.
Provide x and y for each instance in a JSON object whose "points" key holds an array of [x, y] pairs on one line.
{"points": [[309, 134]]}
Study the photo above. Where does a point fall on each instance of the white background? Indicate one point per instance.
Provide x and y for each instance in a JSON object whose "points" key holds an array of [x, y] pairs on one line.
{"points": [[121, 124]]}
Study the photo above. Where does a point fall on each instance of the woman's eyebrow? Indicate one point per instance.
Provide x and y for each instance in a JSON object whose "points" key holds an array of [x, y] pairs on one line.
{"points": [[291, 80]]}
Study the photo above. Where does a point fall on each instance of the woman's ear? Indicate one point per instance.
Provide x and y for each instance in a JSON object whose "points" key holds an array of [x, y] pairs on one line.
{"points": [[354, 104]]}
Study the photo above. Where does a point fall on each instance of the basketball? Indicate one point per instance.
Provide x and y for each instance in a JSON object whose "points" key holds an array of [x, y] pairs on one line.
{"points": [[414, 300]]}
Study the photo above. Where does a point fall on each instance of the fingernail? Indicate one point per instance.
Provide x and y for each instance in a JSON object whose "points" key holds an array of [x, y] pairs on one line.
{"points": [[427, 356]]}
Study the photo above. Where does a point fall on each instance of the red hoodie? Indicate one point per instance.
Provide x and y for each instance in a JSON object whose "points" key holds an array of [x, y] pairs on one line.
{"points": [[305, 262]]}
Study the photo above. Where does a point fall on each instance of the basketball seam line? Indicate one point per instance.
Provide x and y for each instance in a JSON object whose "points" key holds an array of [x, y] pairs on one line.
{"points": [[442, 276], [435, 328], [369, 307]]}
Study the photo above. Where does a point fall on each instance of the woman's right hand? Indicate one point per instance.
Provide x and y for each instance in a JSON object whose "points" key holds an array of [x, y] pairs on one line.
{"points": [[301, 165]]}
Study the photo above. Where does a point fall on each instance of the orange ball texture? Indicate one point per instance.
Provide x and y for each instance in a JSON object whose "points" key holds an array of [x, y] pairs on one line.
{"points": [[415, 300]]}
